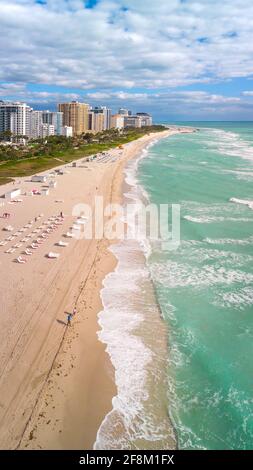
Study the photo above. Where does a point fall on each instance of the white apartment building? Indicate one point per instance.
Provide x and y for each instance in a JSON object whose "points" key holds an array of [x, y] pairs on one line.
{"points": [[36, 124], [124, 112], [47, 130], [132, 121], [67, 131], [15, 117], [146, 119], [107, 117], [117, 121]]}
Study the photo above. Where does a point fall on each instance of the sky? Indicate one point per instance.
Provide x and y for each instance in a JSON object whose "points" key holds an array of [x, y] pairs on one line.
{"points": [[177, 59]]}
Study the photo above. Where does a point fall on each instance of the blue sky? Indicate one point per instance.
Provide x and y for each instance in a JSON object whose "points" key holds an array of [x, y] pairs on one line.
{"points": [[178, 59]]}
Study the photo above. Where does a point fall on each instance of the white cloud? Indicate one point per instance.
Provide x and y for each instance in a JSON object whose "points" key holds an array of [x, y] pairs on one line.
{"points": [[247, 93], [124, 43]]}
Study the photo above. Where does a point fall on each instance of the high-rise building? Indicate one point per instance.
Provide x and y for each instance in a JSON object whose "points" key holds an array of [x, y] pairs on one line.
{"points": [[132, 121], [36, 124], [67, 131], [146, 119], [107, 117], [54, 119], [124, 112], [15, 117], [96, 120], [47, 130], [117, 121], [75, 115]]}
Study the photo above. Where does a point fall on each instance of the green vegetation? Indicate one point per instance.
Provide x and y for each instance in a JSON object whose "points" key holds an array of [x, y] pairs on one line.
{"points": [[40, 155]]}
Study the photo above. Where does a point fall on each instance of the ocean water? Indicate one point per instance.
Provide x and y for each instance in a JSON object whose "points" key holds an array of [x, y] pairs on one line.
{"points": [[205, 288], [190, 376]]}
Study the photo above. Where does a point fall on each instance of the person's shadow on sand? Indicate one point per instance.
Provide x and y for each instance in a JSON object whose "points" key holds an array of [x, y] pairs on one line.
{"points": [[61, 322]]}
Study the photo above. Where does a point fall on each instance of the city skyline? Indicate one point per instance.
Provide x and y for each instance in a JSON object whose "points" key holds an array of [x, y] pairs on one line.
{"points": [[162, 57], [17, 119]]}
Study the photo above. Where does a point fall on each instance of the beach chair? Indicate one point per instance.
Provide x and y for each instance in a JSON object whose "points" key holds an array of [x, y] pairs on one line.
{"points": [[61, 243], [53, 255], [69, 235], [28, 252], [34, 246], [10, 250], [4, 242], [9, 228], [80, 222], [21, 260]]}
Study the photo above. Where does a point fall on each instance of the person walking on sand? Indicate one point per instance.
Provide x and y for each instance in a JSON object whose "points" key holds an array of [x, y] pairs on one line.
{"points": [[74, 311], [69, 318]]}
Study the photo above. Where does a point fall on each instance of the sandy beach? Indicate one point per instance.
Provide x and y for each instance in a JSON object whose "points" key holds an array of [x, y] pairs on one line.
{"points": [[56, 382]]}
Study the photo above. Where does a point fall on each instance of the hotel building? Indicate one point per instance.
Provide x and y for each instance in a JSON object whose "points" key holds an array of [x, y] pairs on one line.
{"points": [[75, 115], [96, 120], [54, 119], [15, 118]]}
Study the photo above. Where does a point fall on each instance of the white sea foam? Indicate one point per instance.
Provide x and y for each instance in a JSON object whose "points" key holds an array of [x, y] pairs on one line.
{"points": [[224, 258], [230, 143], [238, 299], [214, 219], [125, 309], [172, 274], [244, 202], [245, 175], [229, 241]]}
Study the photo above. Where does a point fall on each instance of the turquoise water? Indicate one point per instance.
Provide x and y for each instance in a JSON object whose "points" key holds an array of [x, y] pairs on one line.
{"points": [[205, 288]]}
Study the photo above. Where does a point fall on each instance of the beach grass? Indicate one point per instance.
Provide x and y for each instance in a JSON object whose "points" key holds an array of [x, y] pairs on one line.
{"points": [[55, 154]]}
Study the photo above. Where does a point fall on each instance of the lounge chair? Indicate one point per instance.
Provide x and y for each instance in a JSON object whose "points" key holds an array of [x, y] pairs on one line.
{"points": [[61, 243], [34, 246], [4, 242], [28, 252], [9, 228], [80, 222], [53, 255], [69, 235], [21, 260], [10, 250]]}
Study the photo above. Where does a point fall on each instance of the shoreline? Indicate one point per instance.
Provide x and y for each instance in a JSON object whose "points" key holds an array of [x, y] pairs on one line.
{"points": [[122, 416], [61, 386]]}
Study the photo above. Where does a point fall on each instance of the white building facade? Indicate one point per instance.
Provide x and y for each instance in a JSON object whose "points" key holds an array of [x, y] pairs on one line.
{"points": [[67, 131], [15, 117]]}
